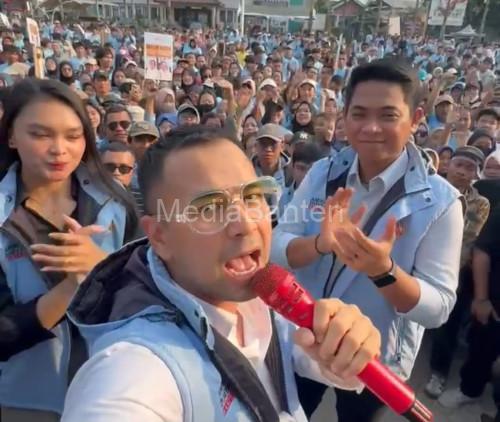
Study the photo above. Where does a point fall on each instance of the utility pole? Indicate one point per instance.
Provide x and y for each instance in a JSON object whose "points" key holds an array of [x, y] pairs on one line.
{"points": [[417, 7], [485, 15], [311, 16], [427, 16], [379, 16], [242, 19], [445, 19]]}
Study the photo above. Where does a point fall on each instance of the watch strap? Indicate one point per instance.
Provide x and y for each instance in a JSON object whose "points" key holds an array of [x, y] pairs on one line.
{"points": [[387, 278]]}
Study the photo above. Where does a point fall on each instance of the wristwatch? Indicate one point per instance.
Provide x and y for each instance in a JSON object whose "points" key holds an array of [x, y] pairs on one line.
{"points": [[387, 278]]}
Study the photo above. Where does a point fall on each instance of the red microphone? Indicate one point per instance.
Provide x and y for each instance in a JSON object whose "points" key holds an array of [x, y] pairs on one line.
{"points": [[281, 292]]}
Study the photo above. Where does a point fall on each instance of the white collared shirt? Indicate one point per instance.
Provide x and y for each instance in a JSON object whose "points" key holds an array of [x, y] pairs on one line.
{"points": [[371, 194], [102, 391]]}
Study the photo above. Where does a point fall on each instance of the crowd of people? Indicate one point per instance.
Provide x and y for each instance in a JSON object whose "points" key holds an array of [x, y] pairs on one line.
{"points": [[113, 307]]}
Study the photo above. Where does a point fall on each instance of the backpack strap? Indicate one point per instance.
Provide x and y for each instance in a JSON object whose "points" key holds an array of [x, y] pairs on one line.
{"points": [[274, 362], [241, 378], [239, 375], [394, 194]]}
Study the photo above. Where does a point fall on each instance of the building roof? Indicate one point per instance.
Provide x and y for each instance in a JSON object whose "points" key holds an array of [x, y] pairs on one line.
{"points": [[395, 4], [401, 4], [193, 2], [360, 3]]}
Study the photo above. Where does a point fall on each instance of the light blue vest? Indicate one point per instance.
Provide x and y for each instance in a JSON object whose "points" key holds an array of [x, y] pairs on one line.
{"points": [[36, 378], [185, 352], [427, 197]]}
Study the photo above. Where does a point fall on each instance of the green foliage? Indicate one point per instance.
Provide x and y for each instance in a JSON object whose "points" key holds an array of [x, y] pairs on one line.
{"points": [[321, 6], [474, 15]]}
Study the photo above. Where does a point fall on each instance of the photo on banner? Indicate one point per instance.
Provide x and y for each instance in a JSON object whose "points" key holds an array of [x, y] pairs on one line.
{"points": [[455, 9], [158, 56], [33, 32], [34, 38], [4, 21]]}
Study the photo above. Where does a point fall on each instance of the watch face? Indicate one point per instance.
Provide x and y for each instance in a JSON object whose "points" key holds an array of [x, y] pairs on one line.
{"points": [[385, 281]]}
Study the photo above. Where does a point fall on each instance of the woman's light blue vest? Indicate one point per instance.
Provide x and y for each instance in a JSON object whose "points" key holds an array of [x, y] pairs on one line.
{"points": [[37, 377]]}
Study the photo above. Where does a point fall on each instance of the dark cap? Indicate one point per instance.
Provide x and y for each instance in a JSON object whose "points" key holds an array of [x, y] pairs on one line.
{"points": [[143, 128], [111, 99], [186, 107], [472, 153], [301, 137]]}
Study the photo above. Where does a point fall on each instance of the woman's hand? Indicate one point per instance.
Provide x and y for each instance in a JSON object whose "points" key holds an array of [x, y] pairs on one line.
{"points": [[77, 254]]}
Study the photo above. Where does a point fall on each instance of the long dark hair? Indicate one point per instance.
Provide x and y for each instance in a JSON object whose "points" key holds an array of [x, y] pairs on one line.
{"points": [[64, 79], [30, 90], [272, 109], [296, 126]]}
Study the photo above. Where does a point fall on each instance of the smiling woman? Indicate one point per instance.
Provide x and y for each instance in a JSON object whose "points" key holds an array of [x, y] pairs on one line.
{"points": [[61, 215]]}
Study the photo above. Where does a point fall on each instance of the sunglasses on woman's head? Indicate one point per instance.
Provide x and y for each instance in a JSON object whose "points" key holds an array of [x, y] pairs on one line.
{"points": [[125, 124], [122, 168]]}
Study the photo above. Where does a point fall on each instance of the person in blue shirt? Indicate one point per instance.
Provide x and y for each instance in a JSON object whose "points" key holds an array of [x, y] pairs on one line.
{"points": [[191, 47], [443, 107], [81, 56], [376, 226], [61, 214], [305, 153]]}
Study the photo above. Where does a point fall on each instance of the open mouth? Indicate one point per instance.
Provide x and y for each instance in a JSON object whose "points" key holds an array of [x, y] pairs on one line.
{"points": [[244, 266]]}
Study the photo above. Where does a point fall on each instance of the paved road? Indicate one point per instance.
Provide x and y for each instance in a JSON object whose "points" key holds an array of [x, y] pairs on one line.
{"points": [[468, 413]]}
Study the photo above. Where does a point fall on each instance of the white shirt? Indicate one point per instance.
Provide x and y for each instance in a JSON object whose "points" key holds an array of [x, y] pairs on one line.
{"points": [[127, 382], [371, 194], [433, 275]]}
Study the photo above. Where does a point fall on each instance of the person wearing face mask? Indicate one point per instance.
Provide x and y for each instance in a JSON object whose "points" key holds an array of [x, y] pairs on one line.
{"points": [[207, 102]]}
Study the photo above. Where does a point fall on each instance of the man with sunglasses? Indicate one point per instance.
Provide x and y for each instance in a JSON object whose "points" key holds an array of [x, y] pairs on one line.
{"points": [[175, 329], [117, 122], [119, 160]]}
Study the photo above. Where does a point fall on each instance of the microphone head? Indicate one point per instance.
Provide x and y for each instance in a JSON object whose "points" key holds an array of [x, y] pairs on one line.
{"points": [[267, 280], [281, 292]]}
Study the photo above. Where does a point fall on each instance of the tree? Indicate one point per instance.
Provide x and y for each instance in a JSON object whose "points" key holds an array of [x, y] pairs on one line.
{"points": [[475, 12], [379, 16], [446, 13]]}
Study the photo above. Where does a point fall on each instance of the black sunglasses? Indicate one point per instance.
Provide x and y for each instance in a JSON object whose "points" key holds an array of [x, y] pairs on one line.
{"points": [[122, 168], [422, 133], [125, 124]]}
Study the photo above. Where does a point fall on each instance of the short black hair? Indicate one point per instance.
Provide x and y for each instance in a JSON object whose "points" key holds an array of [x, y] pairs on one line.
{"points": [[126, 87], [337, 79], [210, 115], [151, 165], [392, 70], [117, 108], [115, 147], [489, 112], [306, 152]]}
